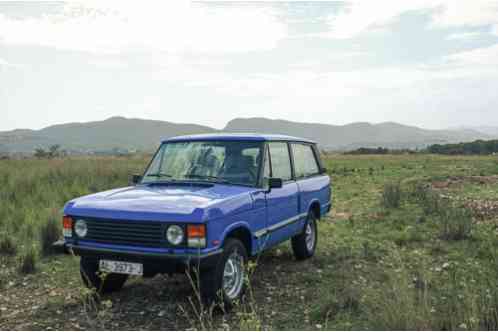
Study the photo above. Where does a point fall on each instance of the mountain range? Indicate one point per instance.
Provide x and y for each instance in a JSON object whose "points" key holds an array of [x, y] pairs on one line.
{"points": [[144, 135]]}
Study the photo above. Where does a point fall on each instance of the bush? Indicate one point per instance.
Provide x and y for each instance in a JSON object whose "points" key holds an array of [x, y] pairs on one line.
{"points": [[391, 196], [431, 202], [397, 304], [49, 233], [7, 246], [455, 224], [434, 204], [28, 261]]}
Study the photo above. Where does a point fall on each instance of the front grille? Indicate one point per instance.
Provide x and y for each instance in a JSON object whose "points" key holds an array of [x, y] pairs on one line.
{"points": [[124, 232]]}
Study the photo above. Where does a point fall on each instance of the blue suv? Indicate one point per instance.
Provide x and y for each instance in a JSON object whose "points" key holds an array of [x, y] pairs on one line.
{"points": [[206, 203]]}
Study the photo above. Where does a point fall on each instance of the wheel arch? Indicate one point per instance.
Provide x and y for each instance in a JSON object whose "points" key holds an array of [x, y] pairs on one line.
{"points": [[241, 232], [315, 207]]}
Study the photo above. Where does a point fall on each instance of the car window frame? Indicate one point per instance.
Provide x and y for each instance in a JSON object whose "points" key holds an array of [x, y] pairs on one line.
{"points": [[256, 184], [312, 146], [292, 178]]}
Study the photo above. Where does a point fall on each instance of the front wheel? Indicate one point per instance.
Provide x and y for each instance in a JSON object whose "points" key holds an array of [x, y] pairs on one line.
{"points": [[226, 281], [304, 244]]}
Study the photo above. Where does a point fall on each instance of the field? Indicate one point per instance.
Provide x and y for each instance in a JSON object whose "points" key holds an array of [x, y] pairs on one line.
{"points": [[412, 243]]}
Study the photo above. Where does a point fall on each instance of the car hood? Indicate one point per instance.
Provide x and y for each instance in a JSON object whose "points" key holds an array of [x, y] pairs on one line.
{"points": [[164, 202]]}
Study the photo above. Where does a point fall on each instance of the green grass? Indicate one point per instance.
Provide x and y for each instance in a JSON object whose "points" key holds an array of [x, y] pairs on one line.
{"points": [[415, 264]]}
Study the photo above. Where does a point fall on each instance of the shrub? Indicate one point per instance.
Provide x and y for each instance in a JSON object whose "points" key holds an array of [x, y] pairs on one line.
{"points": [[432, 203], [455, 224], [49, 233], [398, 304], [420, 191], [28, 261], [391, 196], [7, 246]]}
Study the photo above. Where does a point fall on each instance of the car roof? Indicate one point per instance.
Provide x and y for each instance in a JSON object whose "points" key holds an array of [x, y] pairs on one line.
{"points": [[237, 137]]}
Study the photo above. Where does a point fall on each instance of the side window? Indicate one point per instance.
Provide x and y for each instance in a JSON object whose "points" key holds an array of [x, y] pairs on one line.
{"points": [[280, 161], [305, 163]]}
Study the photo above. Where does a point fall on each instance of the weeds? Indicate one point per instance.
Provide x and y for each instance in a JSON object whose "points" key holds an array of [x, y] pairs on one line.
{"points": [[366, 281], [391, 196], [7, 246], [455, 224], [398, 305], [29, 261], [49, 233]]}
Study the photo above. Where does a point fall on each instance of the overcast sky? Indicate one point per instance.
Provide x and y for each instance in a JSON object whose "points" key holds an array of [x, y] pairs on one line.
{"points": [[427, 63]]}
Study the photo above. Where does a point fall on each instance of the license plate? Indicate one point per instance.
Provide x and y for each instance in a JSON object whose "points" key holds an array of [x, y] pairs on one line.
{"points": [[121, 267]]}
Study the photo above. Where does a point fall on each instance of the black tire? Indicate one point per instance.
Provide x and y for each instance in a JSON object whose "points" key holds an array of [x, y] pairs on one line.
{"points": [[89, 271], [299, 244], [211, 281]]}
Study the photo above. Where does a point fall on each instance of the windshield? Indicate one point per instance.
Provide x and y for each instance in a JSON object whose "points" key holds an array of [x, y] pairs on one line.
{"points": [[234, 162]]}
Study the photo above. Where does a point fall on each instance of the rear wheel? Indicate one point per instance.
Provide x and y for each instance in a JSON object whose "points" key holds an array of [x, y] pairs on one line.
{"points": [[89, 271], [304, 244], [226, 281]]}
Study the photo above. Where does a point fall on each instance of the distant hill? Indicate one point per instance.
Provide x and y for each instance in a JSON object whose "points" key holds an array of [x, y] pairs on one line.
{"points": [[114, 132], [489, 130], [139, 134], [359, 134]]}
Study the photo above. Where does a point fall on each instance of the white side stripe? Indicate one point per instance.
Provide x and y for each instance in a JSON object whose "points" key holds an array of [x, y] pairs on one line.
{"points": [[281, 224]]}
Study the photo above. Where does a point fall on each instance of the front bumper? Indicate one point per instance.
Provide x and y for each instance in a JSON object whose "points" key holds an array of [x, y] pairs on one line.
{"points": [[153, 262]]}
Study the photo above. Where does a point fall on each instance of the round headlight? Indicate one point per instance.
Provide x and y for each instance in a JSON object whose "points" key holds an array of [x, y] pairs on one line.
{"points": [[174, 234], [80, 228]]}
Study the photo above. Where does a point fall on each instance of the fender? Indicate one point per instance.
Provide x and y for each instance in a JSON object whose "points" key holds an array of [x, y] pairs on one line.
{"points": [[308, 208], [235, 225]]}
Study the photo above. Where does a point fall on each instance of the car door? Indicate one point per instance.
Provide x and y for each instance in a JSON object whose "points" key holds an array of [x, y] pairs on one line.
{"points": [[313, 183], [282, 203]]}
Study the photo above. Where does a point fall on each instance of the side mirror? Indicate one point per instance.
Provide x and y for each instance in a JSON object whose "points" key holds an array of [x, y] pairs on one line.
{"points": [[274, 183], [135, 179]]}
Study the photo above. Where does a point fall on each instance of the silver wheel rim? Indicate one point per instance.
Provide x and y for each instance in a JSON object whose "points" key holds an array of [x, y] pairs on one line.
{"points": [[310, 235], [233, 275]]}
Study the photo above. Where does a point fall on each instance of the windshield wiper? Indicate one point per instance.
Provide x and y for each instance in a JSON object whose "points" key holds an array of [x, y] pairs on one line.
{"points": [[206, 177], [160, 175]]}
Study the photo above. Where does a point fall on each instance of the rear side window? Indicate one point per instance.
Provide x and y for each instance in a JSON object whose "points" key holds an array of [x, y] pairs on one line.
{"points": [[305, 163], [280, 161]]}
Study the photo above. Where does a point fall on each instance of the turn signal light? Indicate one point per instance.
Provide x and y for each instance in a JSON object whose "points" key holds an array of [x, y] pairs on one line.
{"points": [[67, 226], [196, 235]]}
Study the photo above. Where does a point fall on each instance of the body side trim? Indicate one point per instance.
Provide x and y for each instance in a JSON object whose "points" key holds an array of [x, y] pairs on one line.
{"points": [[279, 225]]}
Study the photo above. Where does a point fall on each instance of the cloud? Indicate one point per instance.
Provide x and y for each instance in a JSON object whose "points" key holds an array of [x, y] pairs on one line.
{"points": [[494, 30], [4, 63], [361, 16], [480, 57], [466, 13], [177, 27], [463, 35]]}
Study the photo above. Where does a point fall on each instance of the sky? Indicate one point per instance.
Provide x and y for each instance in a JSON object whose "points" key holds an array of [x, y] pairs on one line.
{"points": [[432, 64]]}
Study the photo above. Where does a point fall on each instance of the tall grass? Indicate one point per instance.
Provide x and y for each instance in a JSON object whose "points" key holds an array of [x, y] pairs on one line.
{"points": [[391, 196], [33, 193], [49, 233]]}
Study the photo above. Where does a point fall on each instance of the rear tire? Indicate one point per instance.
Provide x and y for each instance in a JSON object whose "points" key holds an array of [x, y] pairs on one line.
{"points": [[304, 244], [89, 271], [225, 283]]}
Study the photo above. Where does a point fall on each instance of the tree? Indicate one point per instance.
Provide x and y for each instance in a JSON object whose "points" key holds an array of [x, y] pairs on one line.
{"points": [[52, 152], [40, 153]]}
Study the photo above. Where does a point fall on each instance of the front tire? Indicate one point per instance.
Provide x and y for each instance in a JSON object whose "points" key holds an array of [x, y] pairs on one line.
{"points": [[226, 282], [89, 271], [304, 244]]}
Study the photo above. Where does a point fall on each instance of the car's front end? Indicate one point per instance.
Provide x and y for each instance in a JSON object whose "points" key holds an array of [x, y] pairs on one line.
{"points": [[156, 228], [174, 219], [160, 247]]}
